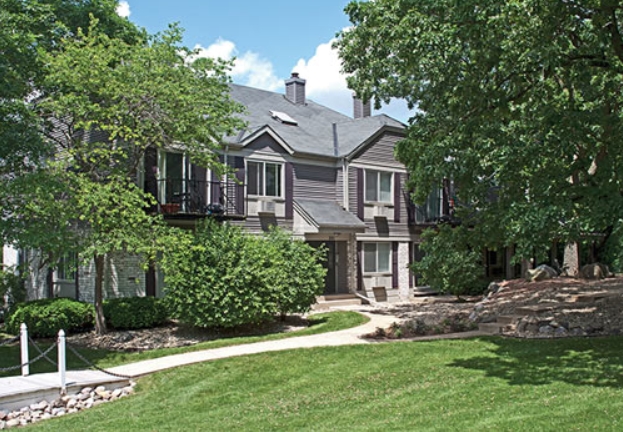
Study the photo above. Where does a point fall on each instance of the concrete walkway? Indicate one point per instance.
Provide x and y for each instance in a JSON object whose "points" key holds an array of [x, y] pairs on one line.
{"points": [[25, 390]]}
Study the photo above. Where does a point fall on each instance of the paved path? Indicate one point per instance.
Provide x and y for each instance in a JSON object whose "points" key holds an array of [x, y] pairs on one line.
{"points": [[25, 390]]}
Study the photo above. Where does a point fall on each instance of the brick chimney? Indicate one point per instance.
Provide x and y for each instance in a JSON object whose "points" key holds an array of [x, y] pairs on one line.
{"points": [[361, 109], [295, 89]]}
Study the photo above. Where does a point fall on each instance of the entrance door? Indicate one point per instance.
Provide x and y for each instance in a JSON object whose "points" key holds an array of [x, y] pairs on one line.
{"points": [[335, 280]]}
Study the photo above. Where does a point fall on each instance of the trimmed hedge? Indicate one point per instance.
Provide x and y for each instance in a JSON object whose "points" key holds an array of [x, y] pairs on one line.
{"points": [[46, 317], [134, 312]]}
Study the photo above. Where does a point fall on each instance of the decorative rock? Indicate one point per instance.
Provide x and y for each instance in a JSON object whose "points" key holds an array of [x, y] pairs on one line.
{"points": [[546, 329], [12, 423], [116, 393], [3, 415], [561, 331], [2, 425], [71, 403]]}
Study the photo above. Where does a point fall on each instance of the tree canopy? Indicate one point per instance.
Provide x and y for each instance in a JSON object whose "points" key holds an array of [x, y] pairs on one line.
{"points": [[520, 97], [103, 96]]}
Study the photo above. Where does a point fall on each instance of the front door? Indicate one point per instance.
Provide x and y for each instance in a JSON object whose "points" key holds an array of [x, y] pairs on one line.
{"points": [[335, 281]]}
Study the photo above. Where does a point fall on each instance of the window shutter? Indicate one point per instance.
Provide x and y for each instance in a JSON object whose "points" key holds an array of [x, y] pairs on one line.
{"points": [[239, 196], [289, 190], [397, 195], [151, 168], [216, 195], [360, 193], [394, 264], [410, 262]]}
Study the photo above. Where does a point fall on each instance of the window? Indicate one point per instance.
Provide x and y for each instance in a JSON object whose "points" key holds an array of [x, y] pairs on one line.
{"points": [[264, 179], [376, 257], [378, 186], [66, 269]]}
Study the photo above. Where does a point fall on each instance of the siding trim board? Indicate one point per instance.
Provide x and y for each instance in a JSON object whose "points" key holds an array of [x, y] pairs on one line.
{"points": [[289, 192]]}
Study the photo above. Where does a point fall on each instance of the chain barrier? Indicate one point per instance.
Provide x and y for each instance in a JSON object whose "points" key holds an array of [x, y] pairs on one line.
{"points": [[34, 360], [9, 341], [45, 356], [90, 363]]}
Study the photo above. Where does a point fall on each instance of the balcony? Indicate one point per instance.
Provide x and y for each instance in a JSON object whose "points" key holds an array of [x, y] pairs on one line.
{"points": [[194, 199]]}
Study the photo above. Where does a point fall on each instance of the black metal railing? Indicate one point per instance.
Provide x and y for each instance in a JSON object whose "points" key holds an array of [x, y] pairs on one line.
{"points": [[198, 198]]}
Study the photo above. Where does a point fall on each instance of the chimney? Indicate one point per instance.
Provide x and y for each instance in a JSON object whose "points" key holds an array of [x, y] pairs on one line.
{"points": [[360, 109], [295, 89]]}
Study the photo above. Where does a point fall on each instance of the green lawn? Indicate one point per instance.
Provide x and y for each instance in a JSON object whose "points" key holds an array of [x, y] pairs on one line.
{"points": [[487, 384], [319, 323]]}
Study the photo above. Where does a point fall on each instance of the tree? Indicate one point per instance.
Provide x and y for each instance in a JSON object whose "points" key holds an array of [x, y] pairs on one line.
{"points": [[519, 98], [104, 102]]}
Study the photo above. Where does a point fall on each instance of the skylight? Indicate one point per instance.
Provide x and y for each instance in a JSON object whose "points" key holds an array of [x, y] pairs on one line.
{"points": [[283, 118]]}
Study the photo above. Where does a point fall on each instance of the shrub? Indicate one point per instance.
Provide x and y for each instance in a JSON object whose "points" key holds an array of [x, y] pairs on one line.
{"points": [[222, 277], [134, 312], [46, 317], [449, 264], [298, 275]]}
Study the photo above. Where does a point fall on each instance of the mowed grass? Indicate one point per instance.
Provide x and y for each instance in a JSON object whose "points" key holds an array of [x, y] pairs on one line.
{"points": [[318, 323], [486, 384]]}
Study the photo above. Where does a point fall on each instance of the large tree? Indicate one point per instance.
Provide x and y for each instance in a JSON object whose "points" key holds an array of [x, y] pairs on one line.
{"points": [[104, 101], [518, 97]]}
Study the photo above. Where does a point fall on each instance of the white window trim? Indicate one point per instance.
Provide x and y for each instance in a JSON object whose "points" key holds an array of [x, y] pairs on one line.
{"points": [[378, 186], [281, 176], [376, 272]]}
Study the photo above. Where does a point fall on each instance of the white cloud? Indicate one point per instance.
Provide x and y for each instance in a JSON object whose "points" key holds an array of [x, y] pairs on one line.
{"points": [[249, 68], [327, 86], [123, 9]]}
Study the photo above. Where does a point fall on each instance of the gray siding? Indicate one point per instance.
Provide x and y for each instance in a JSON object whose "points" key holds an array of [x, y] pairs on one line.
{"points": [[339, 186], [257, 225], [314, 182], [266, 143], [381, 152], [352, 190]]}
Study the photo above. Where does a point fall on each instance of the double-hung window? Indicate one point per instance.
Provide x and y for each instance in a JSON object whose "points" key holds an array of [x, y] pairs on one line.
{"points": [[378, 186], [377, 257], [264, 179]]}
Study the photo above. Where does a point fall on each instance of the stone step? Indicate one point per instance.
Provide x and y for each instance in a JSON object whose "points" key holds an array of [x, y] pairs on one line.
{"points": [[536, 308], [336, 300], [509, 319], [491, 327], [592, 297]]}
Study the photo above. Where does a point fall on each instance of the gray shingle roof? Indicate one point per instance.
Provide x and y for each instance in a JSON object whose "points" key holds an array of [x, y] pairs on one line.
{"points": [[328, 214], [314, 132]]}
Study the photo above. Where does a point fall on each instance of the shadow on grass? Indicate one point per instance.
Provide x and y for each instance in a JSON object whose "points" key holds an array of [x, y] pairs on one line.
{"points": [[596, 362]]}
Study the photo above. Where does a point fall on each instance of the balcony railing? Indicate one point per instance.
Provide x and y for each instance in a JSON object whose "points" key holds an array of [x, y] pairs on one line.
{"points": [[196, 198]]}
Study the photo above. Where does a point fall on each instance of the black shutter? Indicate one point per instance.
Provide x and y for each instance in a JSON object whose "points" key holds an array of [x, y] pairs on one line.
{"points": [[216, 194], [239, 187], [151, 169], [360, 193], [394, 264], [397, 196], [410, 262], [289, 190]]}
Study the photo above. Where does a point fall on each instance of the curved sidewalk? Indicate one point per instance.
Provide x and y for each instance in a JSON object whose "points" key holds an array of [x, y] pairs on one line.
{"points": [[349, 336]]}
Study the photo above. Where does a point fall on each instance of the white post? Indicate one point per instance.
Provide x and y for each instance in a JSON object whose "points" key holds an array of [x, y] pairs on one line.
{"points": [[61, 360], [23, 332]]}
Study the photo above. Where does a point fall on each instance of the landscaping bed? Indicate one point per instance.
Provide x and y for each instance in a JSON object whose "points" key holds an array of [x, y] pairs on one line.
{"points": [[559, 307]]}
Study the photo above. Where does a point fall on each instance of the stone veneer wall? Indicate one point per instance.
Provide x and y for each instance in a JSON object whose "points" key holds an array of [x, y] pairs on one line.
{"points": [[123, 277], [404, 290]]}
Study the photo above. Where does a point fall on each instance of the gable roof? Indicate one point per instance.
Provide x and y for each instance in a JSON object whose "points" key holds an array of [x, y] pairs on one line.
{"points": [[308, 128]]}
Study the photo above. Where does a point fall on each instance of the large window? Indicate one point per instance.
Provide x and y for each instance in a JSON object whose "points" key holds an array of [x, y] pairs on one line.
{"points": [[377, 257], [67, 266], [378, 186], [264, 179]]}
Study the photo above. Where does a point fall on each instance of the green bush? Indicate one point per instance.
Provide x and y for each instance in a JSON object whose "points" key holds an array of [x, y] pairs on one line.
{"points": [[222, 277], [449, 265], [134, 312], [46, 317], [298, 275]]}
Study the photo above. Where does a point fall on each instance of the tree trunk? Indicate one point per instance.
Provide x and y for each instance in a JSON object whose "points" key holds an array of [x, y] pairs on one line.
{"points": [[100, 321]]}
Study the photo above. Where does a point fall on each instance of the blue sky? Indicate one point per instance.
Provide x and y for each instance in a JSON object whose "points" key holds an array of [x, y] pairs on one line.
{"points": [[269, 39]]}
